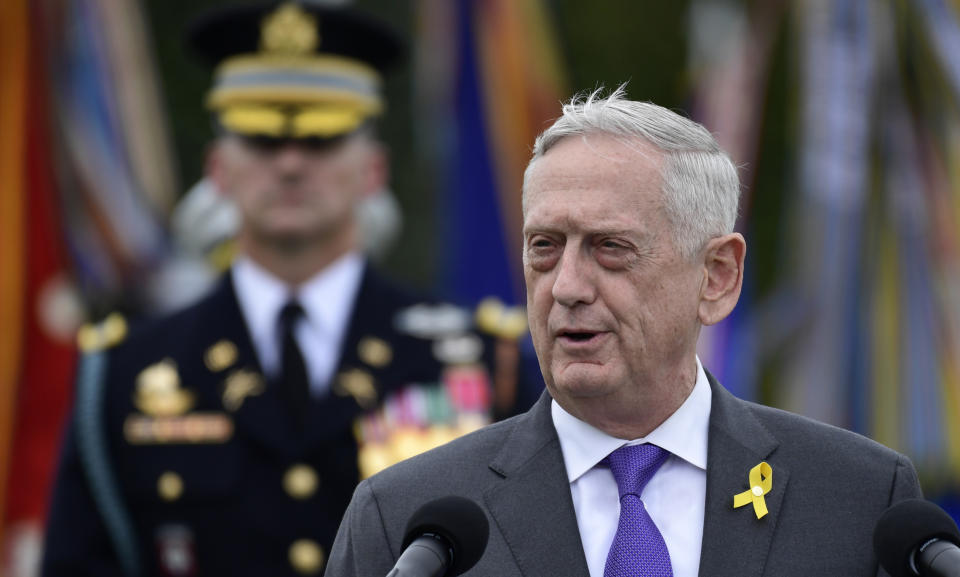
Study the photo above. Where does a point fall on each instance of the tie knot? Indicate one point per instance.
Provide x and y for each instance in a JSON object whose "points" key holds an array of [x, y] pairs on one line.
{"points": [[634, 465], [290, 314]]}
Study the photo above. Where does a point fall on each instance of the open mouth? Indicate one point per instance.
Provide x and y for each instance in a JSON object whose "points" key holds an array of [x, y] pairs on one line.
{"points": [[577, 336]]}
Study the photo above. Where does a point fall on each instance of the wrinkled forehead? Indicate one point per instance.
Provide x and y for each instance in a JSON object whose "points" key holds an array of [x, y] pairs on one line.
{"points": [[593, 167]]}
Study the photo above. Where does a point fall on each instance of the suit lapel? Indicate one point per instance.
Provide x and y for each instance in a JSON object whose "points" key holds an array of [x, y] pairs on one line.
{"points": [[735, 542], [534, 511], [533, 508]]}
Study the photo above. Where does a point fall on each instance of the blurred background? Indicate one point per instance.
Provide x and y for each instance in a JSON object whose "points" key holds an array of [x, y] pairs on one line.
{"points": [[843, 116]]}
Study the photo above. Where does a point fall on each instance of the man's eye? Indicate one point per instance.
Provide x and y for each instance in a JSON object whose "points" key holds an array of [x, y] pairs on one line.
{"points": [[265, 144], [613, 254], [612, 244], [540, 243]]}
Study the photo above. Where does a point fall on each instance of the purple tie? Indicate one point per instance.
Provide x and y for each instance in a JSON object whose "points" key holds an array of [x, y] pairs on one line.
{"points": [[638, 547]]}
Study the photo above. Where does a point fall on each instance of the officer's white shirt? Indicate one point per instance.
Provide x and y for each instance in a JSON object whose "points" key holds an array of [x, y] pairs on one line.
{"points": [[675, 497], [327, 301]]}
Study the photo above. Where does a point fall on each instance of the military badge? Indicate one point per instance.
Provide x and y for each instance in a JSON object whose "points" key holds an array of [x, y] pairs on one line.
{"points": [[458, 349], [358, 384], [93, 338], [431, 322], [495, 318], [195, 428], [422, 416], [239, 385], [375, 352], [158, 391], [289, 30]]}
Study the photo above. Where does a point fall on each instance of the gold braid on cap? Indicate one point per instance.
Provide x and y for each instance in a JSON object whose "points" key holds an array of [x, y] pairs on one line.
{"points": [[289, 89]]}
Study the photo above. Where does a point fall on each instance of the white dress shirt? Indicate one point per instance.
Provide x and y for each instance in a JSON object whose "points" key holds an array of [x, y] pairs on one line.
{"points": [[327, 300], [675, 497]]}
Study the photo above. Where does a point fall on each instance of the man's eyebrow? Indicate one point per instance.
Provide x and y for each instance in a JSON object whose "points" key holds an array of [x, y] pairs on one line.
{"points": [[632, 233]]}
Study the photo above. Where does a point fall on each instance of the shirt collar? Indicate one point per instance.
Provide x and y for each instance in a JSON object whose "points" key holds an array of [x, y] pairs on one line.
{"points": [[260, 295], [326, 298], [684, 433]]}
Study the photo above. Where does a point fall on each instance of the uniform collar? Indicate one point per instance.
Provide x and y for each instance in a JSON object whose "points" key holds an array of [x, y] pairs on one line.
{"points": [[327, 297]]}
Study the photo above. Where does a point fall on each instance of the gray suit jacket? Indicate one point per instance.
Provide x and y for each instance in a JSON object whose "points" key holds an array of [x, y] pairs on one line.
{"points": [[829, 488]]}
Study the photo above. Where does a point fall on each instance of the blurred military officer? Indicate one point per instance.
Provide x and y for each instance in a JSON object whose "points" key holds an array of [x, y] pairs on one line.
{"points": [[225, 439]]}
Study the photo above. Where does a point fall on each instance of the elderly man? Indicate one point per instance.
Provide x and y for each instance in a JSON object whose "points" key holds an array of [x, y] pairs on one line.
{"points": [[636, 461]]}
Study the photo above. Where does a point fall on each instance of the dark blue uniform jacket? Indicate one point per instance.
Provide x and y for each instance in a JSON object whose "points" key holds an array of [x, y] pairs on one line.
{"points": [[198, 469]]}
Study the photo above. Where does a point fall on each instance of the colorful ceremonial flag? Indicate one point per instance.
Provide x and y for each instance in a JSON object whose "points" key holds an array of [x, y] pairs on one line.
{"points": [[14, 85], [38, 350], [860, 324], [117, 185], [80, 183], [505, 84]]}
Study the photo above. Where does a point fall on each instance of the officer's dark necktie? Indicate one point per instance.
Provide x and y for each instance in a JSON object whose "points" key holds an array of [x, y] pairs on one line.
{"points": [[294, 383]]}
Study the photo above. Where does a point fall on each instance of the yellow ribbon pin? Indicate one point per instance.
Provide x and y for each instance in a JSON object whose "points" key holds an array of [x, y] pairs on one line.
{"points": [[761, 481]]}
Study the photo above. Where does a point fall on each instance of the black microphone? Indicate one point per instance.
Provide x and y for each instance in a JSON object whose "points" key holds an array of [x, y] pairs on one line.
{"points": [[444, 538], [916, 538]]}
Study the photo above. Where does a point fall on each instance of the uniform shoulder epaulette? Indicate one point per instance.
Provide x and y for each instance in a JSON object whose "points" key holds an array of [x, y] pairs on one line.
{"points": [[108, 333], [496, 319]]}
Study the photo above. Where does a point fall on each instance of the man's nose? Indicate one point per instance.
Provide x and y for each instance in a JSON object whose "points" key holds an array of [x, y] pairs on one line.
{"points": [[290, 158], [573, 284]]}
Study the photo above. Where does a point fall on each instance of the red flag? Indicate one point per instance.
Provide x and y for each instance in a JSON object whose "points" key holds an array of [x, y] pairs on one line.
{"points": [[43, 368]]}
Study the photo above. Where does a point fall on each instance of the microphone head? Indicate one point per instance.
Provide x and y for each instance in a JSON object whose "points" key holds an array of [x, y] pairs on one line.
{"points": [[457, 520], [906, 526]]}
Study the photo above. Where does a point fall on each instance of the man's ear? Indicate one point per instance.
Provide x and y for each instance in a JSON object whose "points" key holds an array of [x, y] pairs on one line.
{"points": [[213, 166], [378, 168], [722, 277]]}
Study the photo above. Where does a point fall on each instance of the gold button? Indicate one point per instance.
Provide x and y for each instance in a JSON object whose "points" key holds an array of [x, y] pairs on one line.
{"points": [[306, 556], [220, 356], [301, 481], [375, 352], [170, 486]]}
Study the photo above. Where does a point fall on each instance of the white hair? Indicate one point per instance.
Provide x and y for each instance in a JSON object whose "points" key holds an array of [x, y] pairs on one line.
{"points": [[701, 188]]}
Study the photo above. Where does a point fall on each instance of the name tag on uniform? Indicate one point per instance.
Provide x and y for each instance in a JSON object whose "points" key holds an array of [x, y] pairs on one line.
{"points": [[193, 428]]}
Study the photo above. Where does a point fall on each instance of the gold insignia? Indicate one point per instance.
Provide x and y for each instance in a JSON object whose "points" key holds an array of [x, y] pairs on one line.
{"points": [[514, 323], [110, 332], [375, 352], [240, 385], [159, 393], [306, 557], [301, 481], [170, 486], [290, 31], [358, 384], [497, 319], [220, 356], [195, 428]]}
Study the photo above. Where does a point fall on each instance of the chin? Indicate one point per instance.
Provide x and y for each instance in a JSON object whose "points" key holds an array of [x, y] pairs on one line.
{"points": [[582, 381]]}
